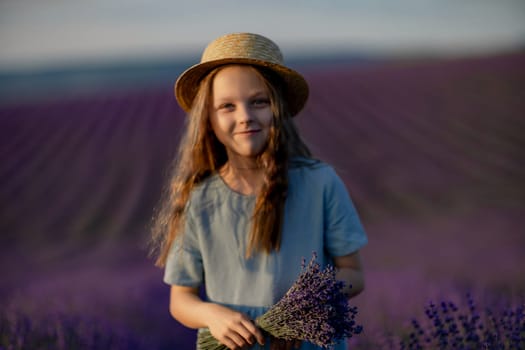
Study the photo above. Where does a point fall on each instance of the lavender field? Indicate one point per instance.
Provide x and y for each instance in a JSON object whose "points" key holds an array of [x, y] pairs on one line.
{"points": [[432, 152]]}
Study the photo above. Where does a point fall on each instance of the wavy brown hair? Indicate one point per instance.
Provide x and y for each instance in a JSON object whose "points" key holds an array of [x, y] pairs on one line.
{"points": [[200, 154]]}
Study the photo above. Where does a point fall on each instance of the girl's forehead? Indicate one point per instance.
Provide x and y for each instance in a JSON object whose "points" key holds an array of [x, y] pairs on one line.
{"points": [[237, 77]]}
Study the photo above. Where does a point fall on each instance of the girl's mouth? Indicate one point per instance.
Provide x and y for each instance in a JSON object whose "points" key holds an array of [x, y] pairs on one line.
{"points": [[249, 132]]}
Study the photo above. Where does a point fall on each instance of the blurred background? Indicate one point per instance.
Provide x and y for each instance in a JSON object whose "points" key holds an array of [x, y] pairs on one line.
{"points": [[419, 105]]}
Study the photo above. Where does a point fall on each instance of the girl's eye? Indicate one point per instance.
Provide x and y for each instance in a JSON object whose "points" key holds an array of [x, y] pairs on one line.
{"points": [[261, 102], [226, 106]]}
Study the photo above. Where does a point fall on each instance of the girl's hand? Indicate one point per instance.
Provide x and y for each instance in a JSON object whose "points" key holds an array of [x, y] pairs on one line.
{"points": [[233, 329], [280, 344]]}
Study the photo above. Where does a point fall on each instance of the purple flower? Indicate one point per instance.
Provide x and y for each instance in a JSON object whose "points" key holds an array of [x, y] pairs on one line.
{"points": [[451, 327], [315, 309]]}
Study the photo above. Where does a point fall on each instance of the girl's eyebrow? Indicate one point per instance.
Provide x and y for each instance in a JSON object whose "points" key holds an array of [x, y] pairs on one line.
{"points": [[257, 93]]}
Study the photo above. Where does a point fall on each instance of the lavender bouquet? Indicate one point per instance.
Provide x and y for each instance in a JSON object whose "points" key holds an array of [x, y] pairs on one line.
{"points": [[314, 309]]}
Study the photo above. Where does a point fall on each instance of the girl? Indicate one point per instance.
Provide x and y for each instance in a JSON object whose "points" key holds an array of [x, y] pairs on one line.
{"points": [[247, 202]]}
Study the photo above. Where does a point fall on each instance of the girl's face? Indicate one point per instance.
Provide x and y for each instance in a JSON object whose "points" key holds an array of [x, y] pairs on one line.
{"points": [[240, 111]]}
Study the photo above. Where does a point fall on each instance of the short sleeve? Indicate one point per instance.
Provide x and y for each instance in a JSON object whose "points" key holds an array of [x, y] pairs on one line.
{"points": [[343, 230], [184, 263]]}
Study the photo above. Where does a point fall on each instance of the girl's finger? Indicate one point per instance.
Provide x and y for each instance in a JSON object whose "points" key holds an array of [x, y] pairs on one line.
{"points": [[244, 332], [236, 340], [255, 331], [230, 344]]}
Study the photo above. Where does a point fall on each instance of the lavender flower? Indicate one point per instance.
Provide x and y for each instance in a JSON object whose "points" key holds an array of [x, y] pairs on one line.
{"points": [[448, 327], [314, 309]]}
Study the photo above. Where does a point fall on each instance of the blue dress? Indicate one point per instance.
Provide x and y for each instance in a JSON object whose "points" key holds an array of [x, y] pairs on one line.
{"points": [[319, 217]]}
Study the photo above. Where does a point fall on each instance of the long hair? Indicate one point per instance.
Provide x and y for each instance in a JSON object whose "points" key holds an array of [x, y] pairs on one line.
{"points": [[200, 154]]}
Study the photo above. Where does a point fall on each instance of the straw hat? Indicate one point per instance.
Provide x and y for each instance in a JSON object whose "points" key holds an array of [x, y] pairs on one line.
{"points": [[242, 48]]}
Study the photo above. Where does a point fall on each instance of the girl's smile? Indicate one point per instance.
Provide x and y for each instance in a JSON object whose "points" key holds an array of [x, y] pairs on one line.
{"points": [[249, 132]]}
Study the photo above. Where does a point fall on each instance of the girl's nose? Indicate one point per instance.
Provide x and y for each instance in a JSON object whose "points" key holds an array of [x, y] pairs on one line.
{"points": [[244, 114]]}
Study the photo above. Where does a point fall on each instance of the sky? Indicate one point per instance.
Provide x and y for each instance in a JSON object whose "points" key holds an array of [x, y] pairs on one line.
{"points": [[47, 33]]}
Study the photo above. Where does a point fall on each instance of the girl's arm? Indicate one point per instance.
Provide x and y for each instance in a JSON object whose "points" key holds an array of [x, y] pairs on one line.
{"points": [[349, 270], [229, 327]]}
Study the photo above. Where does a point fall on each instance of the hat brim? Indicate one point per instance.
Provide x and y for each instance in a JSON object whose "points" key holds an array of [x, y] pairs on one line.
{"points": [[187, 85]]}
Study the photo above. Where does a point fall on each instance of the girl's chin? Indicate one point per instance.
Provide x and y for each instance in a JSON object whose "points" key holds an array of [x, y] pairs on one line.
{"points": [[246, 154]]}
